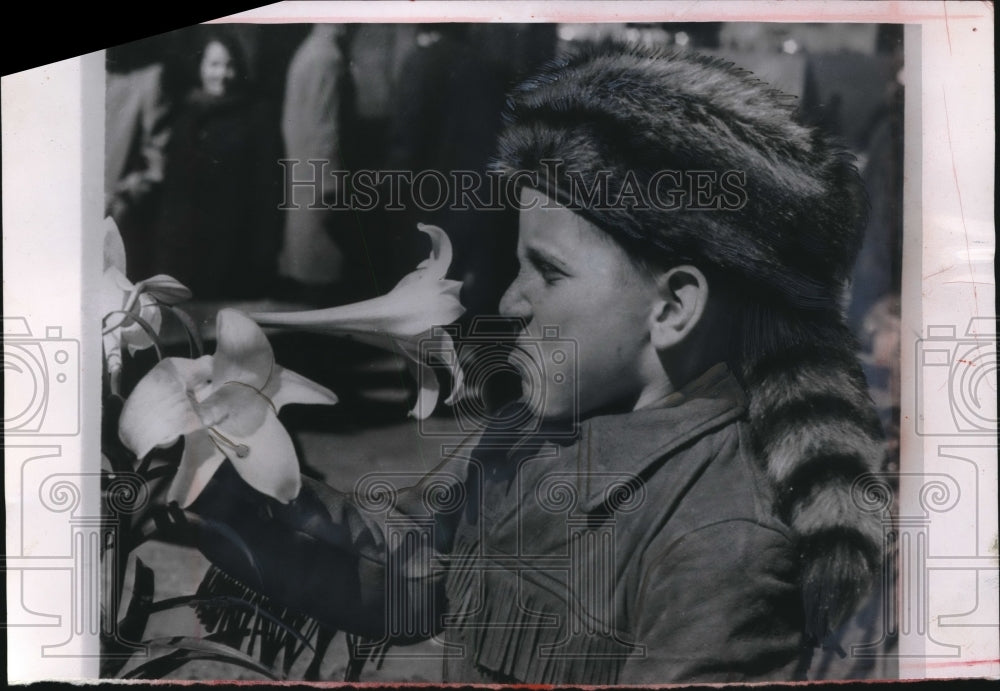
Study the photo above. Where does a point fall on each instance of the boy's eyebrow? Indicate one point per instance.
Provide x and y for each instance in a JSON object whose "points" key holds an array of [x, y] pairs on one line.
{"points": [[538, 256]]}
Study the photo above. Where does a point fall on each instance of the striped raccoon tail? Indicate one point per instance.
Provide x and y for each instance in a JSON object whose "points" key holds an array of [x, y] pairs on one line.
{"points": [[816, 429]]}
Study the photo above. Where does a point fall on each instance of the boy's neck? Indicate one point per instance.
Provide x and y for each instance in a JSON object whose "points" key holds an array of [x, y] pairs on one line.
{"points": [[664, 393], [654, 396]]}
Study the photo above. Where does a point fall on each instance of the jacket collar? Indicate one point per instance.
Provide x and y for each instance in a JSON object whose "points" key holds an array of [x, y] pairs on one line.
{"points": [[612, 449]]}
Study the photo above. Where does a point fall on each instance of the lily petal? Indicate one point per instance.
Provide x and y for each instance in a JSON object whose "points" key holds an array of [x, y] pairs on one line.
{"points": [[401, 313], [200, 460], [114, 247], [114, 291], [288, 387], [450, 357], [264, 457], [390, 322], [421, 299], [381, 314], [159, 410], [437, 265], [133, 334], [457, 387], [243, 353], [238, 407], [166, 289], [439, 345], [428, 389], [401, 319]]}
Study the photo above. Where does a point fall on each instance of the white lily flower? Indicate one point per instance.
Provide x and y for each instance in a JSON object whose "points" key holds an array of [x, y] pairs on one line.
{"points": [[130, 311], [225, 406], [399, 320]]}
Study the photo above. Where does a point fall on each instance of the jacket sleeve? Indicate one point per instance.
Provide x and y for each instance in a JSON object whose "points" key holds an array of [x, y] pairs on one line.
{"points": [[719, 604], [367, 565]]}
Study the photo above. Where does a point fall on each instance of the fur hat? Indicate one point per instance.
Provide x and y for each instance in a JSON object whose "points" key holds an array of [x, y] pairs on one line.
{"points": [[784, 222], [643, 131]]}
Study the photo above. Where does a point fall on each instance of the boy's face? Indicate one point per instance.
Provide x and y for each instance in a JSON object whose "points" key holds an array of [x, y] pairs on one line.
{"points": [[574, 277]]}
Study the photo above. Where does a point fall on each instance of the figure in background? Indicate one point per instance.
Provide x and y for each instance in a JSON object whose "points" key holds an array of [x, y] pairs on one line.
{"points": [[137, 126], [312, 263], [445, 121], [217, 231]]}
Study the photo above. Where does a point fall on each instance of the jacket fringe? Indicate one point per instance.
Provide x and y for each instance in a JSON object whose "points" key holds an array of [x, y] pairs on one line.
{"points": [[520, 632]]}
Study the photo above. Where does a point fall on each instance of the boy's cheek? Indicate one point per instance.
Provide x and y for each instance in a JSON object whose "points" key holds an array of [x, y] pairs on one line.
{"points": [[549, 382]]}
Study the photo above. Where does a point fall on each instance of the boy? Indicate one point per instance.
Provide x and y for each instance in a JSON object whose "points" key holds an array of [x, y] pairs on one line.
{"points": [[678, 506]]}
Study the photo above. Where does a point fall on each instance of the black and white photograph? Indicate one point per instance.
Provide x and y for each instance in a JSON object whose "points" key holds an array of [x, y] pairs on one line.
{"points": [[587, 335], [549, 352]]}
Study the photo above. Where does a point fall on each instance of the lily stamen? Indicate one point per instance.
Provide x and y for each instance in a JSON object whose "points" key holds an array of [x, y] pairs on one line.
{"points": [[256, 390], [241, 450]]}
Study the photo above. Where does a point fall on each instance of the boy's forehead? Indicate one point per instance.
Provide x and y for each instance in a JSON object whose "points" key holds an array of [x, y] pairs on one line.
{"points": [[541, 214], [545, 223]]}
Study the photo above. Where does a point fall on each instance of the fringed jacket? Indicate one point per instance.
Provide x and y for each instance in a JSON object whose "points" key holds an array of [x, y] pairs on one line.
{"points": [[638, 548]]}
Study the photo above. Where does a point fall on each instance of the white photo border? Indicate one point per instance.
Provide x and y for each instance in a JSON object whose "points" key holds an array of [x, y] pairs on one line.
{"points": [[52, 130]]}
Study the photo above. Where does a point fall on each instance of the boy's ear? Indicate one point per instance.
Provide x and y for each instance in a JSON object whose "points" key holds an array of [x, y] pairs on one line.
{"points": [[680, 305]]}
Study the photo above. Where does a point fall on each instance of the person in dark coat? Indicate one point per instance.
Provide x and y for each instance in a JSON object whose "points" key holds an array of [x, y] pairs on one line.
{"points": [[218, 229], [446, 119], [673, 498]]}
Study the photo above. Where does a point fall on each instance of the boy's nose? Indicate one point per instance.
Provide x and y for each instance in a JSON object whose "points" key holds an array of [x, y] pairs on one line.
{"points": [[514, 304]]}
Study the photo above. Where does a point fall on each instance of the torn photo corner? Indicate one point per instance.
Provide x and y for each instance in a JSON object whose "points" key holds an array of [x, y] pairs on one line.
{"points": [[469, 343]]}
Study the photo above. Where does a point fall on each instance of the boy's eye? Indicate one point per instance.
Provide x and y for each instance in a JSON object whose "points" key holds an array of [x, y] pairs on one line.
{"points": [[541, 266], [549, 272]]}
